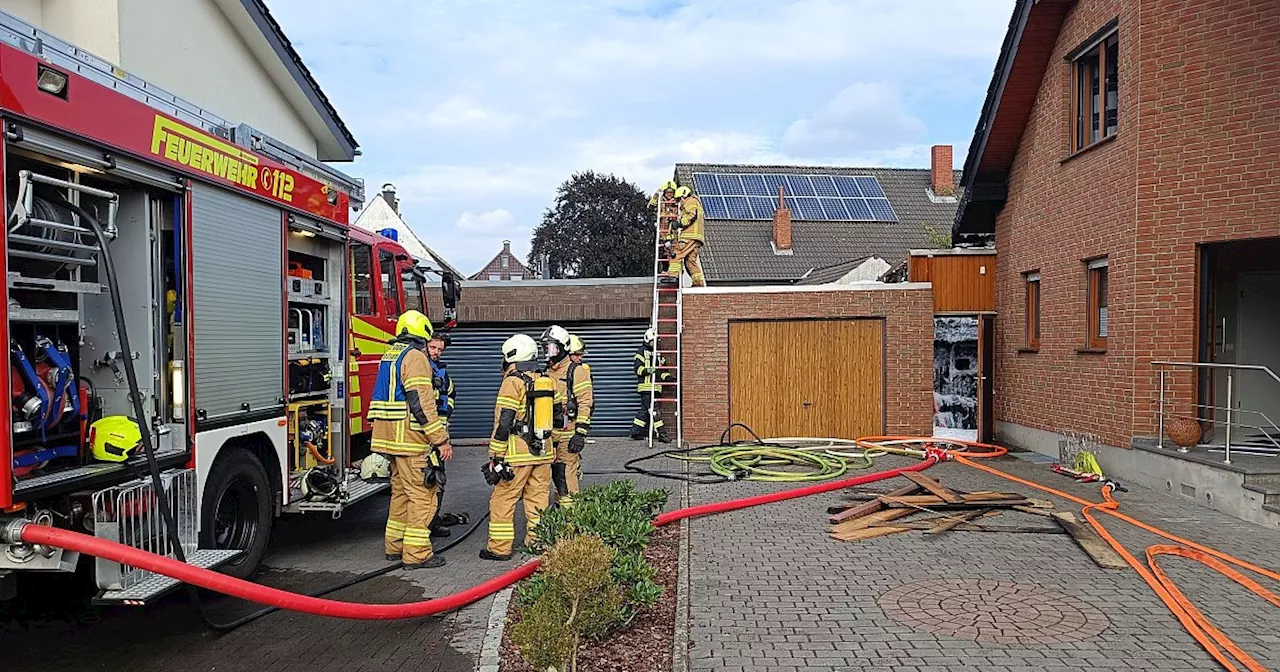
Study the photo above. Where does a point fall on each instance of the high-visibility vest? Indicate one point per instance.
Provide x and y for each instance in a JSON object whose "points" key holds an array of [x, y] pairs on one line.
{"points": [[388, 401], [645, 360]]}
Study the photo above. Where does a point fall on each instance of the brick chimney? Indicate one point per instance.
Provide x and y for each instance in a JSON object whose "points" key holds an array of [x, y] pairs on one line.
{"points": [[943, 182], [781, 224], [389, 195]]}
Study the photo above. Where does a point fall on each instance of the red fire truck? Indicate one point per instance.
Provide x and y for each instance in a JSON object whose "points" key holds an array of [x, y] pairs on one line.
{"points": [[252, 312]]}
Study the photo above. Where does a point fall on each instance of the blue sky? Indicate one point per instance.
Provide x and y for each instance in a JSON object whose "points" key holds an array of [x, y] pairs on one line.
{"points": [[477, 109]]}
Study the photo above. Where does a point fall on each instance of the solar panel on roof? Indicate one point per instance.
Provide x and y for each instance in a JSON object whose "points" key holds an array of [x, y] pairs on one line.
{"points": [[715, 207], [847, 186], [754, 186], [730, 185], [870, 187], [705, 184], [762, 208], [858, 210], [799, 185], [810, 209], [738, 207], [882, 210], [823, 185], [753, 196], [834, 209]]}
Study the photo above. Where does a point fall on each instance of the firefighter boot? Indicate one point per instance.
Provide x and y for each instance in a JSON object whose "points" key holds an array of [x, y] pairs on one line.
{"points": [[432, 563]]}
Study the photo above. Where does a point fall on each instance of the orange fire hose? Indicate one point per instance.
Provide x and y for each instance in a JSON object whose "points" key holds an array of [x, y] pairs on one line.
{"points": [[1210, 637]]}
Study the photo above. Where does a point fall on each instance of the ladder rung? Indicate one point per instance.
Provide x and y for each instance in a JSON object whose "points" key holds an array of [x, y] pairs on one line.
{"points": [[668, 319], [671, 400], [665, 366]]}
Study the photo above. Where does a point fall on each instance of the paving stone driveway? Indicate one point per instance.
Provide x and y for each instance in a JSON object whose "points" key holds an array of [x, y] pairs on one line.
{"points": [[771, 591]]}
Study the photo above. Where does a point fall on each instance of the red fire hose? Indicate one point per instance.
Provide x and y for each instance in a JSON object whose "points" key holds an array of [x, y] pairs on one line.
{"points": [[204, 578]]}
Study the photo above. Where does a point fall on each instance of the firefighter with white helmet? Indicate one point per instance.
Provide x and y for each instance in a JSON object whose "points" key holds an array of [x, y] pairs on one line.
{"points": [[689, 239], [650, 377], [407, 429], [574, 401], [520, 454]]}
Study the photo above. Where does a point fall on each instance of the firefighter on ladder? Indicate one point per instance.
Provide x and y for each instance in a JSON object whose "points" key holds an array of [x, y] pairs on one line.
{"points": [[573, 402], [407, 428], [666, 192], [516, 468], [649, 384], [689, 238]]}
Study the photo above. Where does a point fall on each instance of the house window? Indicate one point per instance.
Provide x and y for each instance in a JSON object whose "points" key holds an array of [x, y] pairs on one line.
{"points": [[1095, 90], [494, 277], [1033, 310], [1097, 291], [506, 261], [518, 277]]}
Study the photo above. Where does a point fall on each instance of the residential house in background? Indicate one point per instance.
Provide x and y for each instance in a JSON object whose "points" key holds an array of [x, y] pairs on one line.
{"points": [[840, 224], [505, 267], [383, 212], [1124, 164], [194, 49]]}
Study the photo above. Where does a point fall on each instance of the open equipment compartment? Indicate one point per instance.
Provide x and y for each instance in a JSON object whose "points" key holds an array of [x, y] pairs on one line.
{"points": [[319, 455]]}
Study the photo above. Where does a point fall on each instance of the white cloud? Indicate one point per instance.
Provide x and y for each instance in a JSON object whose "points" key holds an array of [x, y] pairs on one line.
{"points": [[862, 117], [488, 105], [493, 221]]}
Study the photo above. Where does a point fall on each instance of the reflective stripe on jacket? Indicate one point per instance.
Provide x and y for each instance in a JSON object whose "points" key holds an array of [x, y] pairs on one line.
{"points": [[399, 426], [646, 365], [512, 395], [691, 218]]}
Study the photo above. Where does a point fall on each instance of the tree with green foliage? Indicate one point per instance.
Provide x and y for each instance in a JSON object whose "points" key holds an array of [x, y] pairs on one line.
{"points": [[601, 226]]}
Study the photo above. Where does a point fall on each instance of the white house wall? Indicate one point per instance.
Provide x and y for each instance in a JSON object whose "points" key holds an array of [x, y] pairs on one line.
{"points": [[190, 48]]}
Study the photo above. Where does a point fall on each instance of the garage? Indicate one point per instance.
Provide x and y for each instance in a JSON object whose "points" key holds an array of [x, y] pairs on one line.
{"points": [[475, 366], [817, 377]]}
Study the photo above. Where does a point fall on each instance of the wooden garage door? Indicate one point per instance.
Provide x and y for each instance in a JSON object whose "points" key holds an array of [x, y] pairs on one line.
{"points": [[807, 377]]}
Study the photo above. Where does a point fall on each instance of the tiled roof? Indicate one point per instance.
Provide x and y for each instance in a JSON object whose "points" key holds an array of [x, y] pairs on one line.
{"points": [[821, 276], [742, 250]]}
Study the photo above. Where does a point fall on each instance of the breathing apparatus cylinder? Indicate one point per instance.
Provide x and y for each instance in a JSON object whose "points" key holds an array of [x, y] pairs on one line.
{"points": [[543, 400]]}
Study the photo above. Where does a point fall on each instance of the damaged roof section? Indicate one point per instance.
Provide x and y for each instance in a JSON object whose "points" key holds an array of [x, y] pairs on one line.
{"points": [[745, 248], [1024, 56]]}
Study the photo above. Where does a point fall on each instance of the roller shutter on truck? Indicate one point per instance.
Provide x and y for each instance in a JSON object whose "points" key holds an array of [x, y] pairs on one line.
{"points": [[475, 366], [237, 262]]}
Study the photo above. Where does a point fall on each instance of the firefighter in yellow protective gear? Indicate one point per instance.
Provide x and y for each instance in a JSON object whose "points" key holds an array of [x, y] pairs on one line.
{"points": [[407, 429], [689, 239], [573, 402], [650, 381], [520, 459], [667, 191]]}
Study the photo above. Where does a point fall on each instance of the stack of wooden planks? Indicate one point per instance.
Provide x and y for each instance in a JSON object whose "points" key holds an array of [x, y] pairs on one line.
{"points": [[883, 514]]}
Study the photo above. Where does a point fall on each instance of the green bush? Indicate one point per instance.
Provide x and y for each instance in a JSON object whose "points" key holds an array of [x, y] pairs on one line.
{"points": [[622, 518], [578, 598]]}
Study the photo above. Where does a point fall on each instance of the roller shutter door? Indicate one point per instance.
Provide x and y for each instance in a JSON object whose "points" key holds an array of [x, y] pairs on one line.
{"points": [[475, 366], [238, 288]]}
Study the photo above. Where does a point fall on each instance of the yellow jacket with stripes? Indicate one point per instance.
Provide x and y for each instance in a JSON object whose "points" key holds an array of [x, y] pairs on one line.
{"points": [[580, 399], [508, 438], [403, 408], [691, 219]]}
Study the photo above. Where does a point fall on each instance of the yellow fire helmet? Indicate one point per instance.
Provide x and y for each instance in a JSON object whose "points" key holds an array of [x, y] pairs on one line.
{"points": [[683, 192], [669, 185], [576, 346], [414, 323], [113, 438]]}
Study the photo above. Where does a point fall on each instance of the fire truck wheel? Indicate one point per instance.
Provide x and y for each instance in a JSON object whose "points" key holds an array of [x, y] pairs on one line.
{"points": [[237, 510]]}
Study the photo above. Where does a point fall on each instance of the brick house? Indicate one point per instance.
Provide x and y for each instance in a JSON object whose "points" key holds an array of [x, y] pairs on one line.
{"points": [[505, 266], [842, 224], [1124, 163]]}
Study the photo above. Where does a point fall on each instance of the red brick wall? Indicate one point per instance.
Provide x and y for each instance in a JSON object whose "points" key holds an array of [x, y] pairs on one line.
{"points": [[908, 315], [538, 301], [1196, 151]]}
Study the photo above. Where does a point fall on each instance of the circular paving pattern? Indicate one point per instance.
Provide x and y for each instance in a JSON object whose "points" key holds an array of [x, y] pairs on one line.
{"points": [[993, 612]]}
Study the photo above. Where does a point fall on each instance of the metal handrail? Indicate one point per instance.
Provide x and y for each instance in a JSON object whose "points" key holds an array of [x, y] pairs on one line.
{"points": [[1230, 410], [1216, 365]]}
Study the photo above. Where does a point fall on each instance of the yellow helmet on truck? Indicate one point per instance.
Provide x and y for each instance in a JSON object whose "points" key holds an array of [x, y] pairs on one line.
{"points": [[113, 438]]}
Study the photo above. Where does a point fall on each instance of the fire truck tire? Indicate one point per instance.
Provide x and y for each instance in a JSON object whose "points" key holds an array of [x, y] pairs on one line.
{"points": [[237, 510]]}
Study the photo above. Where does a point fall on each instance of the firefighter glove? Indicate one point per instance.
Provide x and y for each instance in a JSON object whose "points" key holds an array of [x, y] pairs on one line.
{"points": [[577, 443], [496, 470]]}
